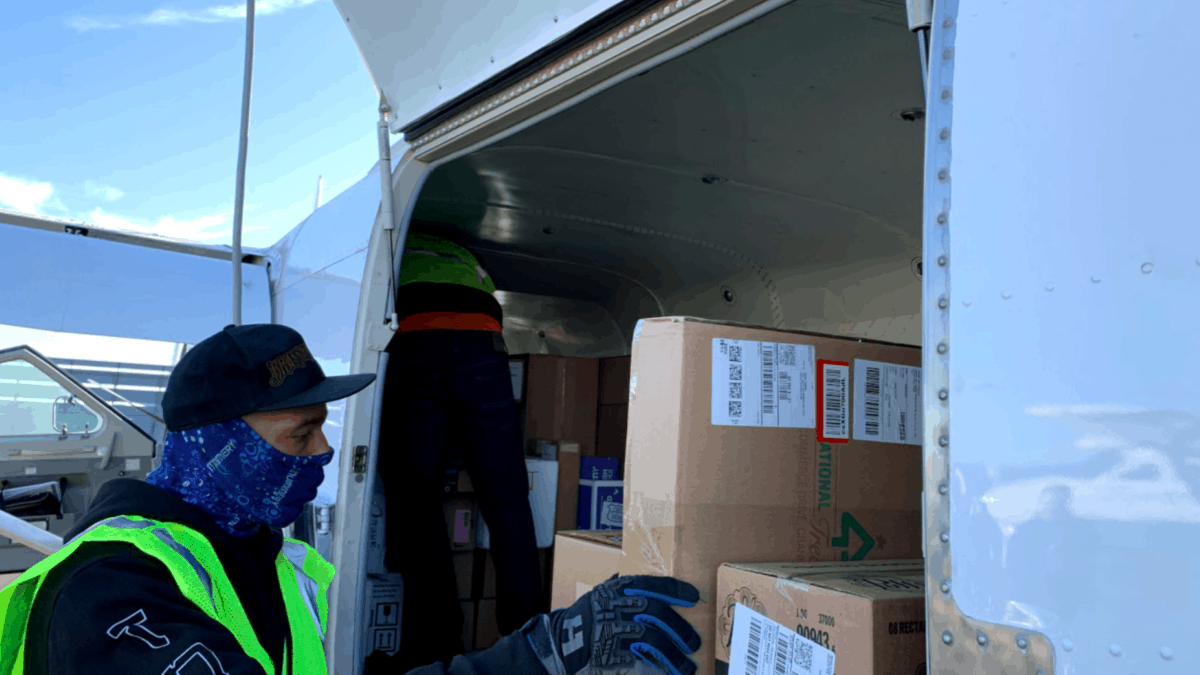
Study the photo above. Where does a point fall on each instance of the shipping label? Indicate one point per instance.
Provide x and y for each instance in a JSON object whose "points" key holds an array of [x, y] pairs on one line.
{"points": [[763, 384], [761, 646], [887, 403], [833, 402], [383, 618]]}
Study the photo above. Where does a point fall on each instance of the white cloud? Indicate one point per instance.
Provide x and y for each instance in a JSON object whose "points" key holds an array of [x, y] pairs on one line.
{"points": [[23, 195], [172, 17], [108, 194], [213, 228]]}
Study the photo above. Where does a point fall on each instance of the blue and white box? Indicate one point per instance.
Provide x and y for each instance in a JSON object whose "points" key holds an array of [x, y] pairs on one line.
{"points": [[598, 468], [600, 504]]}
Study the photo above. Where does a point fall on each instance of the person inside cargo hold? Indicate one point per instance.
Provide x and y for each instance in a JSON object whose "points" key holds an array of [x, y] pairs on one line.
{"points": [[188, 572], [448, 384]]}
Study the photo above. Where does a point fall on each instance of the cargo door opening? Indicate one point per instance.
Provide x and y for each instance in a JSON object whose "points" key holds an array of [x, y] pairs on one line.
{"points": [[772, 176]]}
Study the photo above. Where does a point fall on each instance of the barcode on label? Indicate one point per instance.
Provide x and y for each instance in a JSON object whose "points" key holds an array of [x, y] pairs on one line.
{"points": [[760, 645], [835, 402], [787, 355], [763, 384], [781, 653], [752, 650], [871, 401], [804, 656], [768, 380], [903, 430]]}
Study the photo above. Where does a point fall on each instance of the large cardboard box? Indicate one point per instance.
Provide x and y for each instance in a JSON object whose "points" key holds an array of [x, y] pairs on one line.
{"points": [[560, 404], [582, 559], [569, 462], [612, 424], [543, 499], [614, 380], [745, 444], [870, 613], [561, 399]]}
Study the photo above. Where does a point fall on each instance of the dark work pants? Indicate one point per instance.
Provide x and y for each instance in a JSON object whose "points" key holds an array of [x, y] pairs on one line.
{"points": [[448, 387]]}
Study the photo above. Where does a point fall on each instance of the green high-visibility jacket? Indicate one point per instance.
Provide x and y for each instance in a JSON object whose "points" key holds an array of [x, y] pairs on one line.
{"points": [[429, 259], [304, 579]]}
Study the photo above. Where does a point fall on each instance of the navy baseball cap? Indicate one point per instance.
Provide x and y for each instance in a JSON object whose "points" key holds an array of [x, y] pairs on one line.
{"points": [[245, 369]]}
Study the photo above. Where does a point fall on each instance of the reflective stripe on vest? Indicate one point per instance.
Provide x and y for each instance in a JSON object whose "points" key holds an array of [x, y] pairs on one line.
{"points": [[189, 557], [480, 273]]}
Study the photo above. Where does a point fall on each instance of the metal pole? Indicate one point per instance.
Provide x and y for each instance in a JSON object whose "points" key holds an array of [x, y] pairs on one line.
{"points": [[388, 204], [923, 46], [320, 185], [32, 536], [243, 141], [385, 168]]}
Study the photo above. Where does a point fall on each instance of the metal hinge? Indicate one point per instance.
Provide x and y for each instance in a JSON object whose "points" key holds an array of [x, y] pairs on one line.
{"points": [[360, 460], [920, 14]]}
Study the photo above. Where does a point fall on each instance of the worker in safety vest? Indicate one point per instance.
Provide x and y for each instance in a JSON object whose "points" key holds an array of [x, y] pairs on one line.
{"points": [[188, 573], [448, 384]]}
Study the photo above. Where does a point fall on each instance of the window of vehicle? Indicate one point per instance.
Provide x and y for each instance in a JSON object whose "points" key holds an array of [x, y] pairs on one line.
{"points": [[34, 404]]}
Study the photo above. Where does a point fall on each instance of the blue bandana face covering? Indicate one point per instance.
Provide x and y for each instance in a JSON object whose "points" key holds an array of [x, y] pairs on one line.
{"points": [[234, 475]]}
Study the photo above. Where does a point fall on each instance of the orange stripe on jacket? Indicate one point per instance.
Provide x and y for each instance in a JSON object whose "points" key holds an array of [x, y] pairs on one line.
{"points": [[448, 321]]}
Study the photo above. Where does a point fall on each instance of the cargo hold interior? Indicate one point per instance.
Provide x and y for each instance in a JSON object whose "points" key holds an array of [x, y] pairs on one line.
{"points": [[772, 176]]}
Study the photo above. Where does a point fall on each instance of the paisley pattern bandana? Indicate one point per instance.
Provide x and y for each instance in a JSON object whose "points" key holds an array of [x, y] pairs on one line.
{"points": [[234, 475]]}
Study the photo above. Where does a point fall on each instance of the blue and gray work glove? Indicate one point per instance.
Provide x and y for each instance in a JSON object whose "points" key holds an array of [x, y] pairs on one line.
{"points": [[619, 624]]}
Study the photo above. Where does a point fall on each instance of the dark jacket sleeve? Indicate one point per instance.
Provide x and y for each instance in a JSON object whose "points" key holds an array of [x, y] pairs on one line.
{"points": [[124, 614]]}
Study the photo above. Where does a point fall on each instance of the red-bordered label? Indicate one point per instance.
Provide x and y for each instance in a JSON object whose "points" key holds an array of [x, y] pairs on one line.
{"points": [[833, 401]]}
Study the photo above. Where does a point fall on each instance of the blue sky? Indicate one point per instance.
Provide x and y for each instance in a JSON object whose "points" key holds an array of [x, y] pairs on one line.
{"points": [[125, 113]]}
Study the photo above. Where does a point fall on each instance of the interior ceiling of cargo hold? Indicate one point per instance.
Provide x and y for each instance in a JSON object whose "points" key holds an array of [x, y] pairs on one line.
{"points": [[771, 176]]}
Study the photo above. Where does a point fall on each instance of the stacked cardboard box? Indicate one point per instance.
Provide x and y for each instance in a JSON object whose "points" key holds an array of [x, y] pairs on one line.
{"points": [[487, 631], [750, 444], [474, 570], [560, 406], [612, 417], [871, 614], [582, 559]]}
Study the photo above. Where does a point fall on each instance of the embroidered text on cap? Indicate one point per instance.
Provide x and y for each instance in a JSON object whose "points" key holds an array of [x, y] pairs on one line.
{"points": [[284, 365]]}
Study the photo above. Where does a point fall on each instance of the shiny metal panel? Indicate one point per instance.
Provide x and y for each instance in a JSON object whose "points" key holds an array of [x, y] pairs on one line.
{"points": [[84, 284], [538, 324], [779, 170], [316, 279], [422, 56], [1070, 506], [362, 418]]}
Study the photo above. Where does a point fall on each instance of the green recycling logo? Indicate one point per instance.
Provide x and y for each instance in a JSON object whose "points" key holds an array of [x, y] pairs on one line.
{"points": [[849, 524]]}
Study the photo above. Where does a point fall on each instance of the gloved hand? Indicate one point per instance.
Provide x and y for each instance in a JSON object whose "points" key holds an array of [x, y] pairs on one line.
{"points": [[621, 622]]}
